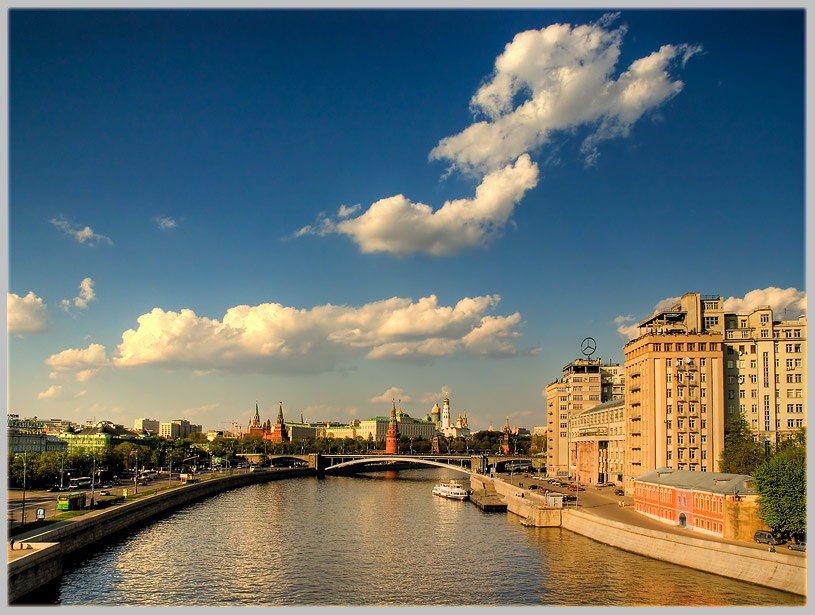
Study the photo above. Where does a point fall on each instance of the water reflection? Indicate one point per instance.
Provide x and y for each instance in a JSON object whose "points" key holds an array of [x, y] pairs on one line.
{"points": [[381, 539]]}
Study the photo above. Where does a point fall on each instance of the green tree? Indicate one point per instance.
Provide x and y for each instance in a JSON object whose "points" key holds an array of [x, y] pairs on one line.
{"points": [[781, 485], [740, 454]]}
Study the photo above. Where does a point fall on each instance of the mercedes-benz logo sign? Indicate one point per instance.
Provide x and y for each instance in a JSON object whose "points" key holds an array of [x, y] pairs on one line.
{"points": [[588, 346]]}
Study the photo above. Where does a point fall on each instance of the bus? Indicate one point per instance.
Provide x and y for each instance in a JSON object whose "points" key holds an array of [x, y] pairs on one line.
{"points": [[83, 482], [71, 501]]}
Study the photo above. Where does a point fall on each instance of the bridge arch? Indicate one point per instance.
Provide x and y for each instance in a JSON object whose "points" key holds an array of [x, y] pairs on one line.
{"points": [[398, 459]]}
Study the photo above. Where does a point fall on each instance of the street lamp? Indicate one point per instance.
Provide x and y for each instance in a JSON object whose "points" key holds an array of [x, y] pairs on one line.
{"points": [[93, 477], [22, 521], [411, 445]]}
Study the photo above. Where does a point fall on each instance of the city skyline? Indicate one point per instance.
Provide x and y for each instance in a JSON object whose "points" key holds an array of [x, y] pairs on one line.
{"points": [[339, 208]]}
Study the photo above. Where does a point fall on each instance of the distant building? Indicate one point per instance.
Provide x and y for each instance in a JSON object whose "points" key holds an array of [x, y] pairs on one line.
{"points": [[714, 503], [375, 429], [31, 437], [448, 428], [179, 428], [151, 425], [99, 436]]}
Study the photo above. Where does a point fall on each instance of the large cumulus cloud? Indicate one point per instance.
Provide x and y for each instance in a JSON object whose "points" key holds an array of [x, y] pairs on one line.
{"points": [[273, 337], [25, 314], [554, 79]]}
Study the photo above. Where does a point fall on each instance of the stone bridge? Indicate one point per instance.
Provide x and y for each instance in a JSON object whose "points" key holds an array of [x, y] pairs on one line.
{"points": [[467, 464]]}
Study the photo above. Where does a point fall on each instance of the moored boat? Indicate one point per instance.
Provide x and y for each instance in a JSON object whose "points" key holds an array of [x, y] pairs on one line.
{"points": [[453, 490]]}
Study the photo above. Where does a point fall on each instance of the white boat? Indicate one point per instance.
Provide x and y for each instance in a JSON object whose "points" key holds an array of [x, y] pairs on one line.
{"points": [[453, 490]]}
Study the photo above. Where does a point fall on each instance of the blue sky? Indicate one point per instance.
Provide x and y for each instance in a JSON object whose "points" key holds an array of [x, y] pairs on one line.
{"points": [[335, 208]]}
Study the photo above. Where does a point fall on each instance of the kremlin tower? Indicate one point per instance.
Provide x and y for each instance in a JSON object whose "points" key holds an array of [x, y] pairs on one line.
{"points": [[392, 436], [279, 433], [505, 446]]}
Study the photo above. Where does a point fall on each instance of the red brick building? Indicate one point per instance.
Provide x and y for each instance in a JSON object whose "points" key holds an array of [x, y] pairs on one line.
{"points": [[713, 503]]}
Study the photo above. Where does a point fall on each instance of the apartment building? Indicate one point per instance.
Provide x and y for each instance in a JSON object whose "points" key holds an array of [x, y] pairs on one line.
{"points": [[674, 404], [765, 373], [584, 384]]}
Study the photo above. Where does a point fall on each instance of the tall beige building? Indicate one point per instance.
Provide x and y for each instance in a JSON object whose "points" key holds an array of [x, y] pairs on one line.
{"points": [[585, 383], [765, 373], [674, 405]]}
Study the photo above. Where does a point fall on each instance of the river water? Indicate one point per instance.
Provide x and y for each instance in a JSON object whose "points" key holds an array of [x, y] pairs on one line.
{"points": [[373, 540]]}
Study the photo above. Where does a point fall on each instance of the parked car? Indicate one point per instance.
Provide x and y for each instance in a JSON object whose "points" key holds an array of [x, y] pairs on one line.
{"points": [[104, 492], [576, 488], [556, 483], [619, 492], [798, 545], [768, 538]]}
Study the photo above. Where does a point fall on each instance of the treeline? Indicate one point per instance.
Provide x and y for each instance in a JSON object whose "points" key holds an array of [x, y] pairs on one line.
{"points": [[779, 475]]}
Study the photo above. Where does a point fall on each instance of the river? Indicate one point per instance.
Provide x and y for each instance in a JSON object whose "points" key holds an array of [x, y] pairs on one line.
{"points": [[374, 540]]}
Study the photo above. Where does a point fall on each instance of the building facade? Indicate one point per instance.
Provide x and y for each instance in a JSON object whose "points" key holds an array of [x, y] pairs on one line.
{"points": [[597, 437], [674, 402], [722, 505], [151, 425], [179, 428], [765, 373], [584, 384]]}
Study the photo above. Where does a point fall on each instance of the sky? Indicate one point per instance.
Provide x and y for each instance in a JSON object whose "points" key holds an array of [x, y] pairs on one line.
{"points": [[334, 209]]}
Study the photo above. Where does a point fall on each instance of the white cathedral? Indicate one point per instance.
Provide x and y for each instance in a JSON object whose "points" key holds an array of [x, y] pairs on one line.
{"points": [[443, 424]]}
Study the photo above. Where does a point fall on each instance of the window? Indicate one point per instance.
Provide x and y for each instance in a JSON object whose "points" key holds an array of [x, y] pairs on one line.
{"points": [[765, 318], [669, 409], [703, 362], [754, 378], [753, 392], [796, 333], [753, 363], [765, 333]]}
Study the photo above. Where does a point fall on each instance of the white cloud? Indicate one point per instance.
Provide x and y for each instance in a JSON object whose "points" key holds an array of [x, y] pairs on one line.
{"points": [[165, 223], [25, 314], [80, 394], [786, 303], [85, 296], [437, 396], [556, 79], [345, 212], [274, 337], [84, 360], [86, 374], [83, 235], [399, 226], [630, 331], [393, 393], [52, 392]]}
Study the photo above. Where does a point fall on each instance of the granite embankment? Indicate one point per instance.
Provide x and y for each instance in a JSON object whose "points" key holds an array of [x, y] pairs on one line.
{"points": [[39, 557], [779, 570]]}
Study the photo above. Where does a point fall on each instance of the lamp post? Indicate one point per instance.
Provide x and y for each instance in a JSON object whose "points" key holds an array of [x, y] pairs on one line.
{"points": [[22, 520], [136, 475], [411, 445], [93, 477], [61, 471]]}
